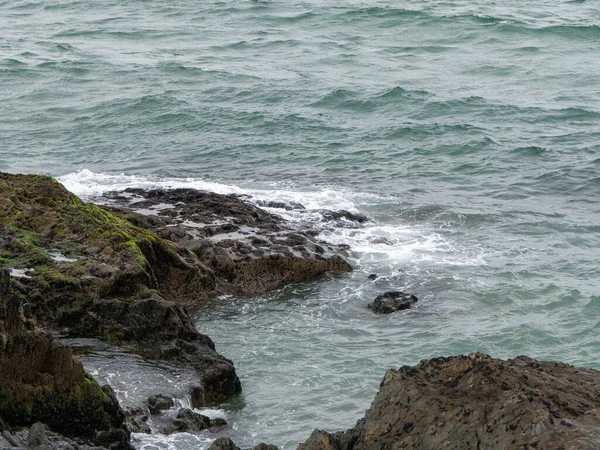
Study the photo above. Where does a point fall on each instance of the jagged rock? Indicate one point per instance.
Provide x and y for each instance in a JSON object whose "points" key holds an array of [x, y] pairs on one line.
{"points": [[188, 420], [223, 443], [250, 250], [41, 381], [159, 403], [263, 446], [391, 301], [477, 402], [137, 419], [372, 276]]}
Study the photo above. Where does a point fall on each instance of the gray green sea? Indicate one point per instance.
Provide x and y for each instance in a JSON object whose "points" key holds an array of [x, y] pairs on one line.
{"points": [[468, 132]]}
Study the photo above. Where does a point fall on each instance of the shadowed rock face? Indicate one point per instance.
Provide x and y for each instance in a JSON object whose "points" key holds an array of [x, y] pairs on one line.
{"points": [[40, 380], [477, 402]]}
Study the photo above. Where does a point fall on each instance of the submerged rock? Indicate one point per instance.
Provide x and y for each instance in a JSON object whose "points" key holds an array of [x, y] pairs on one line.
{"points": [[477, 402], [391, 301]]}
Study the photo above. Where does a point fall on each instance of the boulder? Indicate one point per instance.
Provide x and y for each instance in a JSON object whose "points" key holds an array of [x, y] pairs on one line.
{"points": [[188, 420], [478, 402], [223, 443], [391, 301], [158, 403]]}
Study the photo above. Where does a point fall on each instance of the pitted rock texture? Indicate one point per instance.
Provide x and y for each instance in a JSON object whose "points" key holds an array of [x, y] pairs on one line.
{"points": [[391, 301], [249, 250], [477, 402]]}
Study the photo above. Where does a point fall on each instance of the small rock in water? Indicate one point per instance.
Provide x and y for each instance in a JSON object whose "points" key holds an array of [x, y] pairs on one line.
{"points": [[391, 301], [373, 276], [223, 443], [263, 446], [158, 403], [188, 420]]}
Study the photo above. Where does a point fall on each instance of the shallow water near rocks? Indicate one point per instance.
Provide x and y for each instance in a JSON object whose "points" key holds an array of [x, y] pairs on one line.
{"points": [[466, 131]]}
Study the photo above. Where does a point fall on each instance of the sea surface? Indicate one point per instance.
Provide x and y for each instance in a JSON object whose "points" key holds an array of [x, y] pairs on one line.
{"points": [[468, 132]]}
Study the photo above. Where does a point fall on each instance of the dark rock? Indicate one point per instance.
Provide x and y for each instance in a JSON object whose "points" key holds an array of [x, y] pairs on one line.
{"points": [[223, 443], [345, 215], [188, 420], [263, 446], [288, 206], [159, 403], [137, 420], [373, 276], [391, 301], [475, 401]]}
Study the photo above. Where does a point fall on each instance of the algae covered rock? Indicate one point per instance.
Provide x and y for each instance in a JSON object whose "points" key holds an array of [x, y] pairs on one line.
{"points": [[87, 272], [41, 381], [477, 402]]}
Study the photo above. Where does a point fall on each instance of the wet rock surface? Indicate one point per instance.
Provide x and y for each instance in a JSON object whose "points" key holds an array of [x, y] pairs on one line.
{"points": [[249, 250], [477, 402], [392, 301], [41, 381], [190, 421]]}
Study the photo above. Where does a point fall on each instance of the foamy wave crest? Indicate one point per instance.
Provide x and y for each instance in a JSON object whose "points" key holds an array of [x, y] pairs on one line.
{"points": [[372, 243]]}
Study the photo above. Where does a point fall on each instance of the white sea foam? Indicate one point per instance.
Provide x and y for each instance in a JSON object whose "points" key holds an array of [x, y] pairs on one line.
{"points": [[372, 243]]}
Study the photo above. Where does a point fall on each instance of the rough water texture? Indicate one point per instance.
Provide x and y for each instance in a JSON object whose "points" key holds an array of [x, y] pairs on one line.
{"points": [[466, 131]]}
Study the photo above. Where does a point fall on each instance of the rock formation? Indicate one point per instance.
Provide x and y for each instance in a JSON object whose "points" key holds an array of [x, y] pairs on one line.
{"points": [[391, 301], [41, 381], [477, 402], [85, 271]]}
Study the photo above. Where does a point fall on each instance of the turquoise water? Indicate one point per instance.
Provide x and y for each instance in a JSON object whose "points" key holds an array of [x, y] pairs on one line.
{"points": [[469, 132]]}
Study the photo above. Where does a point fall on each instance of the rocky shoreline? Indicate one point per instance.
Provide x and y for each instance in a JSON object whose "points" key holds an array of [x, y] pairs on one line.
{"points": [[126, 272]]}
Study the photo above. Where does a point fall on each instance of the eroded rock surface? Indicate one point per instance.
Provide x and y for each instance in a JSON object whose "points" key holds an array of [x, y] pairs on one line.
{"points": [[391, 301], [477, 402], [249, 250], [41, 381]]}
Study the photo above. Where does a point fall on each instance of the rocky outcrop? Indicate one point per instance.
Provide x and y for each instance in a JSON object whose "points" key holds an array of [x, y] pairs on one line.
{"points": [[126, 274], [249, 250], [477, 402], [87, 272], [391, 301], [41, 381]]}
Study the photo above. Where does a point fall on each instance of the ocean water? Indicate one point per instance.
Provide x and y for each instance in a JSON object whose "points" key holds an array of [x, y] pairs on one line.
{"points": [[468, 132]]}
